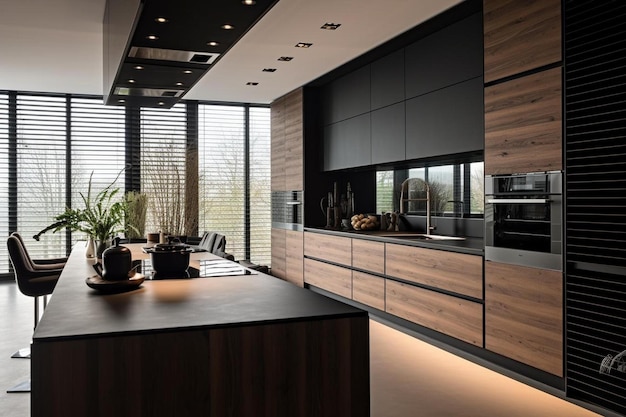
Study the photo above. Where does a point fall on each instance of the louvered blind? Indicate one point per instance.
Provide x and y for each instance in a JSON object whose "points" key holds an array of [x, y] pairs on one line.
{"points": [[595, 64], [41, 170], [260, 187], [221, 187], [4, 179], [163, 167]]}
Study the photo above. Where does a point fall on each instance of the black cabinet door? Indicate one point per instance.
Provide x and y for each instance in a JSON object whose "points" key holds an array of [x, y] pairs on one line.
{"points": [[347, 96], [446, 57], [347, 144], [388, 134], [388, 80], [446, 121]]}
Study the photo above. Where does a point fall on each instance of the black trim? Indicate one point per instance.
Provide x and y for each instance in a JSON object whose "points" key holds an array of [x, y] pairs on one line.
{"points": [[524, 74]]}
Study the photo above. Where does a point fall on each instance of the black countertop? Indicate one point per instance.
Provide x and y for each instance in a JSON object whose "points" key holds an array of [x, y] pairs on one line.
{"points": [[469, 245], [77, 311]]}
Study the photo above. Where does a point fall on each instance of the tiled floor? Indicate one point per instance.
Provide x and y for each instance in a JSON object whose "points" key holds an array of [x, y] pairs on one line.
{"points": [[409, 378]]}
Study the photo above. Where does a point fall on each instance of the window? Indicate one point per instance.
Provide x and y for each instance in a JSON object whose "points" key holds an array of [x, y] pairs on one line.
{"points": [[4, 179]]}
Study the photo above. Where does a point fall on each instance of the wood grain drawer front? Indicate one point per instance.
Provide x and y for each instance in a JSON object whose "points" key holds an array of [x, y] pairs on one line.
{"points": [[455, 272], [335, 249], [279, 265], [453, 316], [520, 36], [294, 253], [524, 315], [329, 277], [368, 255], [368, 289], [523, 124]]}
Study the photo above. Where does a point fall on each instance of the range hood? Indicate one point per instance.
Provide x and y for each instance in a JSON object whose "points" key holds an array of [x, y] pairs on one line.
{"points": [[155, 51]]}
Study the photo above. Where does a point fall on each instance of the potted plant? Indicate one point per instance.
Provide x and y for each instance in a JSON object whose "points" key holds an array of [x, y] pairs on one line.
{"points": [[101, 217]]}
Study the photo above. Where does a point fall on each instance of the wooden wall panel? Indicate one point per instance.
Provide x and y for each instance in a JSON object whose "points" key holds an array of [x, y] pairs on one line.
{"points": [[329, 277], [335, 249], [279, 265], [368, 255], [294, 141], [524, 315], [277, 146], [453, 316], [520, 36], [294, 252], [368, 289], [455, 272], [523, 124]]}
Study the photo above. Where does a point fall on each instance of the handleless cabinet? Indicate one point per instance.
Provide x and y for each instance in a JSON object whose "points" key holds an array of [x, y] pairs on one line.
{"points": [[388, 80], [348, 96], [347, 143], [332, 278], [388, 134], [287, 143]]}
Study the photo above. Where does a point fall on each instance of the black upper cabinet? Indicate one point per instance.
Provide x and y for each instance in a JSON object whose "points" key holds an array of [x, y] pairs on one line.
{"points": [[347, 96], [388, 80], [347, 143], [388, 132], [447, 121], [446, 57]]}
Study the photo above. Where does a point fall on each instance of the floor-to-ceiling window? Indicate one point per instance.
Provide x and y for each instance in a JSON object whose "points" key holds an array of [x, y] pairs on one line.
{"points": [[51, 144]]}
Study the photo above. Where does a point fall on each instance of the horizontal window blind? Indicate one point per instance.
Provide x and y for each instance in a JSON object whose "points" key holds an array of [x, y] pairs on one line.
{"points": [[221, 185], [260, 186], [163, 158], [41, 170], [4, 180]]}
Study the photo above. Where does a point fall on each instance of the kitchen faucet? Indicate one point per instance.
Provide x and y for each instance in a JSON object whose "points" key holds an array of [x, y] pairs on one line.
{"points": [[411, 184]]}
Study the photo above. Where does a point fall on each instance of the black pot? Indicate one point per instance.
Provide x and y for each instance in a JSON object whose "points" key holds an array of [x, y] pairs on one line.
{"points": [[170, 260]]}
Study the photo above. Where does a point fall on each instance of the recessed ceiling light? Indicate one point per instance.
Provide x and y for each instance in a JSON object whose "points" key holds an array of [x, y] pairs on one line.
{"points": [[161, 20], [187, 71], [161, 103], [138, 67], [269, 69], [121, 100], [303, 45], [131, 81], [213, 43], [179, 84], [252, 83], [228, 26], [152, 37], [285, 58], [249, 2], [330, 26]]}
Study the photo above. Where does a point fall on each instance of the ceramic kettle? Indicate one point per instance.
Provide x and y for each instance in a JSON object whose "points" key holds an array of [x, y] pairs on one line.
{"points": [[116, 263]]}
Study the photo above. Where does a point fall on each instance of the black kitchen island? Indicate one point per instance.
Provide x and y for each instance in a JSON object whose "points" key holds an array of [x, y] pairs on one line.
{"points": [[246, 345]]}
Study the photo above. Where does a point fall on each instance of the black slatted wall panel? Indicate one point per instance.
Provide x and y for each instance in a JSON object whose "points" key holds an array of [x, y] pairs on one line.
{"points": [[595, 86]]}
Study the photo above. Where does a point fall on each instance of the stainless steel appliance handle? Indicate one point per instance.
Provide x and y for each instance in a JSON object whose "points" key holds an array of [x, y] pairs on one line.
{"points": [[517, 200], [293, 203]]}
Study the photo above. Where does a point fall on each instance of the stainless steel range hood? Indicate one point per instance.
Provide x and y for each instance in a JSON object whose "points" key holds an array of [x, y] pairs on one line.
{"points": [[155, 51]]}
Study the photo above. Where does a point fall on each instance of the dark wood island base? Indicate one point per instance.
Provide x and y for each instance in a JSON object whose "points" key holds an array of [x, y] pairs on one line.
{"points": [[230, 346]]}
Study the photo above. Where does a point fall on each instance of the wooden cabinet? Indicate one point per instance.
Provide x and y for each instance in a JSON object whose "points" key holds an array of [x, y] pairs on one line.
{"points": [[454, 272], [446, 121], [294, 253], [523, 124], [287, 142], [388, 134], [520, 36], [448, 56], [279, 242], [368, 255], [335, 279], [368, 289], [450, 315], [388, 80], [336, 249], [347, 96], [524, 315], [347, 143]]}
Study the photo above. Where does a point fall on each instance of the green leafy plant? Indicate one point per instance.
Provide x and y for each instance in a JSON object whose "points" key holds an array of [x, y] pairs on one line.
{"points": [[100, 218]]}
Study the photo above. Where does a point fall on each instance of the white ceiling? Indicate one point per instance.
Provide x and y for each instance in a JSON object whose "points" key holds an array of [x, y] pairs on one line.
{"points": [[56, 45]]}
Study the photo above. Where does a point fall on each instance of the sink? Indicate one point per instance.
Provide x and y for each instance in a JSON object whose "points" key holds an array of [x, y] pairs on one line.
{"points": [[421, 236]]}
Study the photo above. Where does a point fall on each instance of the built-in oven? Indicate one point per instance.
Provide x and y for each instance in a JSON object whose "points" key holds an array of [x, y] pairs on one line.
{"points": [[287, 210], [523, 219]]}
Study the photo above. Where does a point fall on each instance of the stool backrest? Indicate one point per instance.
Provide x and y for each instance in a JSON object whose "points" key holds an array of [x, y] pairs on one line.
{"points": [[30, 281]]}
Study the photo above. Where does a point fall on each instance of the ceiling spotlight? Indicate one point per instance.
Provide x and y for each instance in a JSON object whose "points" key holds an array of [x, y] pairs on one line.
{"points": [[187, 72], [161, 103], [252, 83], [121, 100], [138, 67], [179, 84], [131, 81], [152, 37], [161, 20], [330, 26], [249, 2], [285, 58], [213, 43], [303, 45], [228, 26], [269, 69]]}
